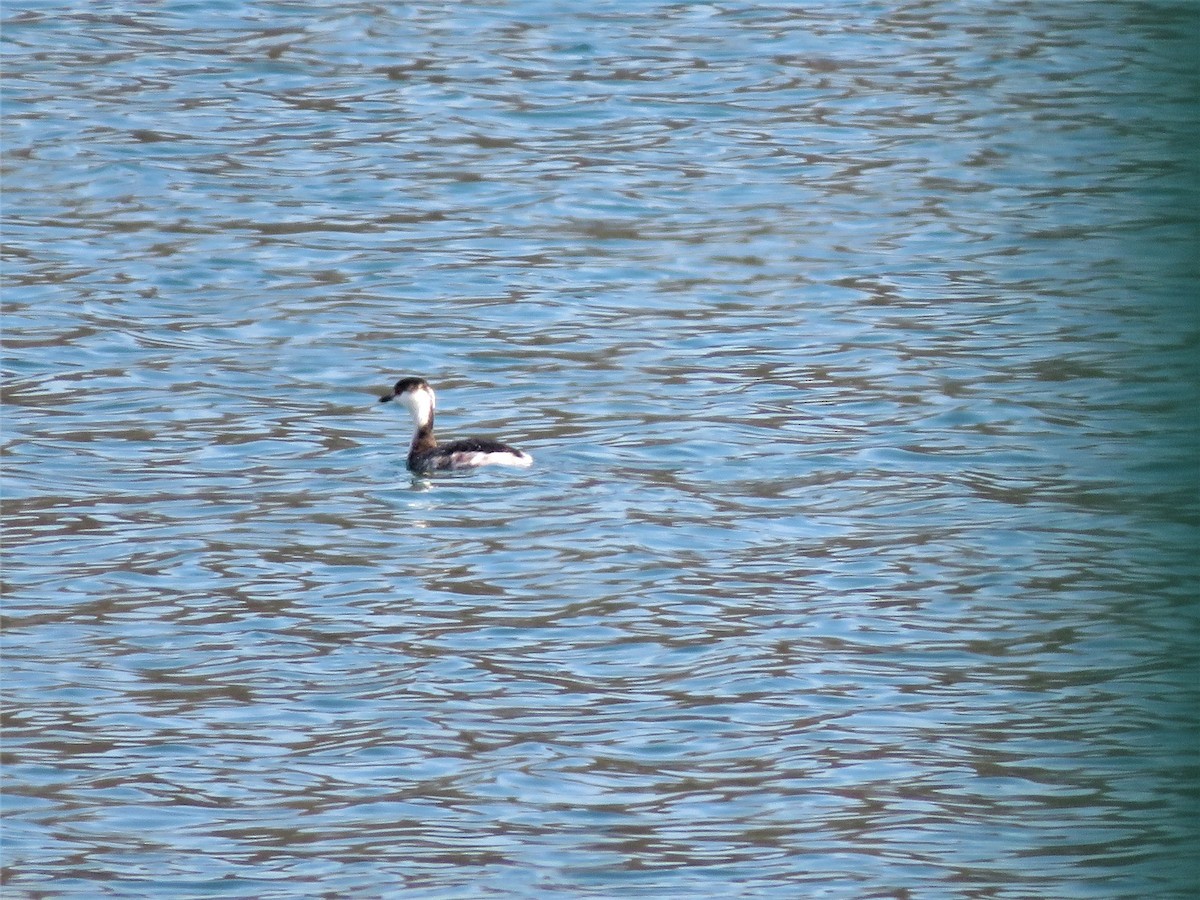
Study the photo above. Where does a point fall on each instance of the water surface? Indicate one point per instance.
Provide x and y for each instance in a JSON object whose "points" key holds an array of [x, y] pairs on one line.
{"points": [[856, 345]]}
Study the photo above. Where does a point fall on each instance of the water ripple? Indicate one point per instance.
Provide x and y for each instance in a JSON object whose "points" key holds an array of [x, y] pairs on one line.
{"points": [[857, 350]]}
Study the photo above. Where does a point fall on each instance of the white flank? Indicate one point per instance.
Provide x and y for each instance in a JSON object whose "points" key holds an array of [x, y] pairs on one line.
{"points": [[475, 458]]}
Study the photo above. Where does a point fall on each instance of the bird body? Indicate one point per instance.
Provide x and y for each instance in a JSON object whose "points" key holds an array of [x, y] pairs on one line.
{"points": [[425, 454]]}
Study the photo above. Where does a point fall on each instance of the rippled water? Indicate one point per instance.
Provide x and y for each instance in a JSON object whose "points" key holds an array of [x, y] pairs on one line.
{"points": [[857, 347]]}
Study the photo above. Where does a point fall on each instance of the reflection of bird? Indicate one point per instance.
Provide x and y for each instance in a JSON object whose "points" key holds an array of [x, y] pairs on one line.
{"points": [[427, 455]]}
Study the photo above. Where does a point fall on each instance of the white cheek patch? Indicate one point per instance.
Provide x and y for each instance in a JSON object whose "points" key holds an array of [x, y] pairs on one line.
{"points": [[420, 404], [475, 458]]}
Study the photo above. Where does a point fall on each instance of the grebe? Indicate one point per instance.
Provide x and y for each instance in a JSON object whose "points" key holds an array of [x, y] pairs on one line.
{"points": [[427, 455]]}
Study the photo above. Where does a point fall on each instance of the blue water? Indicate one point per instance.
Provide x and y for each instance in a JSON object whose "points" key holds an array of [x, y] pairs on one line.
{"points": [[857, 347]]}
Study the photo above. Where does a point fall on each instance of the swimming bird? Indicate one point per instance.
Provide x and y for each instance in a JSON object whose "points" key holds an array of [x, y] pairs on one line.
{"points": [[427, 455]]}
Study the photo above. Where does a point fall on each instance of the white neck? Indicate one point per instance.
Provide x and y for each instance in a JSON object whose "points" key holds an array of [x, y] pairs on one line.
{"points": [[420, 404]]}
